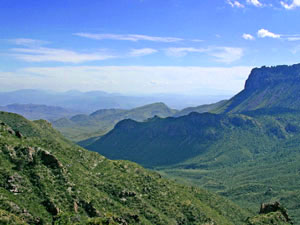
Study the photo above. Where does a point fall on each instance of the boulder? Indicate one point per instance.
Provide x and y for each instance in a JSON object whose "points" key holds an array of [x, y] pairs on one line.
{"points": [[50, 160]]}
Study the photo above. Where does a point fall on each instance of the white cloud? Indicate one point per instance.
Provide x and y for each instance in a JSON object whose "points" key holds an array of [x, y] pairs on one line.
{"points": [[142, 51], [262, 33], [293, 38], [235, 4], [256, 3], [129, 79], [57, 55], [179, 52], [227, 54], [28, 42], [248, 37], [221, 54], [128, 37], [294, 4]]}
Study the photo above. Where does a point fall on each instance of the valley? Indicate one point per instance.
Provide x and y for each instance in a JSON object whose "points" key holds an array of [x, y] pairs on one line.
{"points": [[150, 112]]}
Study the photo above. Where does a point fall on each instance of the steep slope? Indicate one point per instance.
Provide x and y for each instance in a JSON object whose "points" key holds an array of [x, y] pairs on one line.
{"points": [[81, 127], [45, 179], [35, 112], [268, 87]]}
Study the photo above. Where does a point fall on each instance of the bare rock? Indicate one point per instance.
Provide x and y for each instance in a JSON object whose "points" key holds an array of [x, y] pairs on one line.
{"points": [[14, 184], [51, 207], [50, 160], [10, 130], [274, 207], [125, 193], [19, 134]]}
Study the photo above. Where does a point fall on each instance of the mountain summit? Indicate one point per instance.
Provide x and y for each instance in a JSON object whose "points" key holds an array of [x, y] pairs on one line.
{"points": [[268, 87]]}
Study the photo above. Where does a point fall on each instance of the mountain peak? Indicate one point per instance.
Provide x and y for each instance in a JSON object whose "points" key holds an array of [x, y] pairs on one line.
{"points": [[266, 76], [268, 87], [156, 104]]}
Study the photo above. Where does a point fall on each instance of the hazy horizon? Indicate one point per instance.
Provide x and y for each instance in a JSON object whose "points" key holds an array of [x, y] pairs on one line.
{"points": [[94, 100]]}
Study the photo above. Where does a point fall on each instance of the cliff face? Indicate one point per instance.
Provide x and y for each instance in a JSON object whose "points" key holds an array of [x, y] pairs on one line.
{"points": [[268, 87], [269, 76]]}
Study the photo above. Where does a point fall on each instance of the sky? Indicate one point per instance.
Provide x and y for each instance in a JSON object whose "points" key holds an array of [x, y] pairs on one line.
{"points": [[190, 47]]}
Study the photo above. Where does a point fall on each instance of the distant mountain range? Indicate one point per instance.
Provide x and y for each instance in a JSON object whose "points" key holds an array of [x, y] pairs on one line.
{"points": [[247, 150], [35, 112], [88, 102]]}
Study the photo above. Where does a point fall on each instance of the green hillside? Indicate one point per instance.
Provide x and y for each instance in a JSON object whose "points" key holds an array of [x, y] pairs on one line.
{"points": [[81, 127], [45, 179]]}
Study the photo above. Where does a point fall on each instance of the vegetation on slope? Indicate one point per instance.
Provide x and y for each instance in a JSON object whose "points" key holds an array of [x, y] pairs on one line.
{"points": [[250, 158], [46, 179]]}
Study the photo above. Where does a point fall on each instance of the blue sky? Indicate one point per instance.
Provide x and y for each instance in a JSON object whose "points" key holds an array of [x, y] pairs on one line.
{"points": [[196, 47]]}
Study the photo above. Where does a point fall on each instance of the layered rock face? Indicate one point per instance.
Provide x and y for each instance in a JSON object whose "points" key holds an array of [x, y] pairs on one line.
{"points": [[269, 76], [268, 87]]}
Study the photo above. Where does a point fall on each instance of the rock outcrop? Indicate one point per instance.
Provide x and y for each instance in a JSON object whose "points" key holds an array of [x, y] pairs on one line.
{"points": [[266, 208], [268, 87]]}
